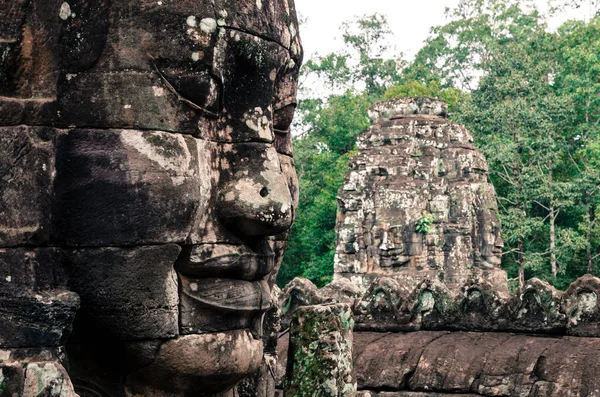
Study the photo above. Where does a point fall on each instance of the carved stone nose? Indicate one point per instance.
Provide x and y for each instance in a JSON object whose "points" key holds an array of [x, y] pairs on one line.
{"points": [[498, 242], [254, 196]]}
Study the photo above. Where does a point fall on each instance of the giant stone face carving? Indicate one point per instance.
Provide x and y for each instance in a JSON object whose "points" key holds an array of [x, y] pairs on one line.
{"points": [[145, 166], [416, 203]]}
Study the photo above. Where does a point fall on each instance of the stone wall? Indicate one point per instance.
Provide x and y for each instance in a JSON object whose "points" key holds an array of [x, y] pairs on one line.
{"points": [[426, 342]]}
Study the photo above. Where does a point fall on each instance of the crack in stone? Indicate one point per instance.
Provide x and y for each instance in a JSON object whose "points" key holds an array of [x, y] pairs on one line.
{"points": [[409, 378], [263, 37]]}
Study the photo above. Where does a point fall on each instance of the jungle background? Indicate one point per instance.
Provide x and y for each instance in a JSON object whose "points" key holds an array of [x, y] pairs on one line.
{"points": [[529, 94]]}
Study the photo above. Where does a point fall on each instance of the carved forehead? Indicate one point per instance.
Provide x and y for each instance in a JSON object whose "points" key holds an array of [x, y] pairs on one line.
{"points": [[272, 20]]}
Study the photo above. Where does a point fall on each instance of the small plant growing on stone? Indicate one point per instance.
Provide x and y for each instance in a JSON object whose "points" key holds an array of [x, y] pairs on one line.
{"points": [[424, 223]]}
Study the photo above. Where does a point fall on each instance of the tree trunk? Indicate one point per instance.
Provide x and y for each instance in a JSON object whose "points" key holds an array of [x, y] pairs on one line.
{"points": [[520, 262], [517, 186], [553, 242], [552, 229], [588, 232]]}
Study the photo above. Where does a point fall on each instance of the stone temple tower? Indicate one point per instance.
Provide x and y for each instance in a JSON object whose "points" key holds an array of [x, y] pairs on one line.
{"points": [[416, 203]]}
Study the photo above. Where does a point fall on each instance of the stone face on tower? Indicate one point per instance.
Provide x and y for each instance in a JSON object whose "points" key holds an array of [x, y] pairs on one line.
{"points": [[416, 203]]}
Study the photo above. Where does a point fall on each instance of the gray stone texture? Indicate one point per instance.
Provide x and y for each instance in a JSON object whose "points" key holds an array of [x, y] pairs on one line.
{"points": [[147, 189], [489, 364], [320, 352], [486, 364], [388, 306], [414, 164]]}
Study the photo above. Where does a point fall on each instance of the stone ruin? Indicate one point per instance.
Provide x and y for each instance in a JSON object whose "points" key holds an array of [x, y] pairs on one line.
{"points": [[147, 187], [427, 342], [417, 203], [431, 312]]}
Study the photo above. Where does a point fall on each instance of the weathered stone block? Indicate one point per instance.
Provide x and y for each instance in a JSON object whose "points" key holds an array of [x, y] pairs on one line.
{"points": [[47, 379], [421, 203], [12, 378], [513, 368], [30, 269], [198, 365], [387, 361], [26, 176], [211, 304], [43, 318], [380, 305], [320, 352], [581, 304], [297, 293], [453, 361], [130, 100], [126, 293], [406, 106], [144, 186], [537, 307]]}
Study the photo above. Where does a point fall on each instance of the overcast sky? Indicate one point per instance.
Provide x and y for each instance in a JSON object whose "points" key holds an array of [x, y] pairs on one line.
{"points": [[409, 20]]}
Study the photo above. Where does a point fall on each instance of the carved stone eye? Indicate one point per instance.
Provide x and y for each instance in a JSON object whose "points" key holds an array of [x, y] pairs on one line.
{"points": [[195, 85]]}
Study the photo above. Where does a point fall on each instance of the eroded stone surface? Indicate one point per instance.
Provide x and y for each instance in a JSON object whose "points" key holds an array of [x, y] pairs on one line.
{"points": [[35, 306], [484, 364], [416, 202], [320, 352], [126, 293], [378, 367], [34, 372], [388, 305], [580, 304], [27, 172], [182, 365], [145, 170]]}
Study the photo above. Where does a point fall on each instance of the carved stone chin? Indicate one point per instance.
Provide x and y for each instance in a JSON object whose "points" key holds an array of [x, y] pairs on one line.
{"points": [[147, 176]]}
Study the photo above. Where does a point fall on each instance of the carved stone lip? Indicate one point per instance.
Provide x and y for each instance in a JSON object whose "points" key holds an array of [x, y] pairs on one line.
{"points": [[229, 295], [226, 260]]}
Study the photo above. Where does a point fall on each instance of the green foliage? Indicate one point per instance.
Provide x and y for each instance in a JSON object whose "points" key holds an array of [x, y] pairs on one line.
{"points": [[452, 96], [455, 52], [332, 68], [531, 115], [364, 63], [423, 224]]}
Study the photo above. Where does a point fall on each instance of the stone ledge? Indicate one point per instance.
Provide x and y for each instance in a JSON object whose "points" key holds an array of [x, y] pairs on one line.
{"points": [[387, 306]]}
